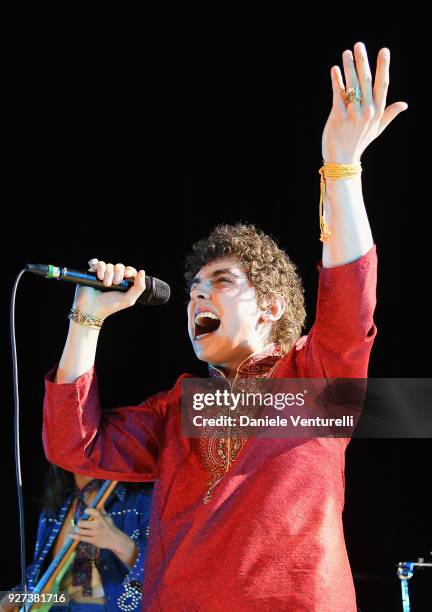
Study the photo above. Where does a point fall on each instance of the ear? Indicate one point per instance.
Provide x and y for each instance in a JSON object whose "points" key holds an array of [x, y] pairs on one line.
{"points": [[275, 309]]}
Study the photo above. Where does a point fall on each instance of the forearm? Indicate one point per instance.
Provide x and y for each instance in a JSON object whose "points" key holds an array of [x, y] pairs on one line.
{"points": [[125, 549], [78, 354], [345, 213]]}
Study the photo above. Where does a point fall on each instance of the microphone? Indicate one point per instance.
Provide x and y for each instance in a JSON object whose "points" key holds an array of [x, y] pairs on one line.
{"points": [[156, 292]]}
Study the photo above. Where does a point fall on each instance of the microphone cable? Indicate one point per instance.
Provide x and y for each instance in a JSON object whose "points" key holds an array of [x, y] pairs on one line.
{"points": [[18, 476]]}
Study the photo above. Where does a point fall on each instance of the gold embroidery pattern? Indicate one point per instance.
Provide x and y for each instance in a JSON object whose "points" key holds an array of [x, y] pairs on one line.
{"points": [[221, 448]]}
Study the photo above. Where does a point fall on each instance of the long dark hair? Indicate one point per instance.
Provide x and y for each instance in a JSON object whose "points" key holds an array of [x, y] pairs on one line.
{"points": [[59, 483]]}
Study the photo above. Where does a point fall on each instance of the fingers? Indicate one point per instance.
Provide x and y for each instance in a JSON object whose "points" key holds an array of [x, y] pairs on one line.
{"points": [[119, 270], [138, 287], [382, 79], [350, 73], [83, 538], [363, 73], [100, 268], [111, 274], [390, 113], [130, 272], [358, 74], [338, 88], [95, 517], [85, 527], [95, 529]]}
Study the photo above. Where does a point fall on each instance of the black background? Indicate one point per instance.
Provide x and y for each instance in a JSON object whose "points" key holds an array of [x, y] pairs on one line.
{"points": [[129, 151]]}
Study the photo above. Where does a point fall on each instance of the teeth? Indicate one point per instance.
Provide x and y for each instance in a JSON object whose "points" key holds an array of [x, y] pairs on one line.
{"points": [[202, 315]]}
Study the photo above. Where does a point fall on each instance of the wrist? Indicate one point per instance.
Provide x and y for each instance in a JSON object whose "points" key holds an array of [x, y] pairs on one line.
{"points": [[86, 320], [124, 548], [340, 184], [331, 156], [336, 178]]}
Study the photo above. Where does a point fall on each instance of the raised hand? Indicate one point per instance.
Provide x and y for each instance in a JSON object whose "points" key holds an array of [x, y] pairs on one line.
{"points": [[353, 125]]}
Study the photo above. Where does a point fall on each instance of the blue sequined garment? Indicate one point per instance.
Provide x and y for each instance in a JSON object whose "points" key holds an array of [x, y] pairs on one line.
{"points": [[130, 511]]}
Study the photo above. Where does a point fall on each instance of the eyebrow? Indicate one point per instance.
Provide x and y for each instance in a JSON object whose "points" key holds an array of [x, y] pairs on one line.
{"points": [[215, 273]]}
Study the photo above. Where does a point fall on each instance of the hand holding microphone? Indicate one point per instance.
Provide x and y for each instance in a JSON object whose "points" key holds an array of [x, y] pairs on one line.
{"points": [[93, 296], [103, 290], [101, 304]]}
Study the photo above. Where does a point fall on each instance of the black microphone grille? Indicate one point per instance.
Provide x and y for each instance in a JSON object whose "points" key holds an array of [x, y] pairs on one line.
{"points": [[156, 292]]}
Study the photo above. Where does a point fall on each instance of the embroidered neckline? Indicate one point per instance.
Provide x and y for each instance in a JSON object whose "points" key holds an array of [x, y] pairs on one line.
{"points": [[256, 364], [221, 449]]}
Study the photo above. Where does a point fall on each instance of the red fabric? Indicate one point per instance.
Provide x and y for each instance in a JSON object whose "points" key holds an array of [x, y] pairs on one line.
{"points": [[271, 537]]}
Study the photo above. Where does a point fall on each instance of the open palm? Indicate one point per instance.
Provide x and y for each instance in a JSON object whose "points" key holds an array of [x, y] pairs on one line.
{"points": [[352, 126]]}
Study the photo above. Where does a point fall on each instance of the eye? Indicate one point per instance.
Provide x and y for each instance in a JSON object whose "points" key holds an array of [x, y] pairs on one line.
{"points": [[223, 279]]}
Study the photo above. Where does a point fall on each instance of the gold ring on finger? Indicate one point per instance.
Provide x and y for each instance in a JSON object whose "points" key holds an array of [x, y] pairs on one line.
{"points": [[353, 94]]}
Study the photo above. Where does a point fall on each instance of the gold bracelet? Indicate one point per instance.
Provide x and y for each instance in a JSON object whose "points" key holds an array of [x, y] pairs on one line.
{"points": [[333, 172], [86, 320]]}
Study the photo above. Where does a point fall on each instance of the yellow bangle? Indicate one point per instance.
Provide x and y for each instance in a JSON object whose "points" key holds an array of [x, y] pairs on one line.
{"points": [[86, 320], [333, 172]]}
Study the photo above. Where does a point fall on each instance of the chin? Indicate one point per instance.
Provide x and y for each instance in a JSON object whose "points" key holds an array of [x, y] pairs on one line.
{"points": [[205, 356], [209, 356]]}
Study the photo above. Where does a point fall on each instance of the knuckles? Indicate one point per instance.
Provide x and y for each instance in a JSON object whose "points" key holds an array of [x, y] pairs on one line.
{"points": [[369, 112]]}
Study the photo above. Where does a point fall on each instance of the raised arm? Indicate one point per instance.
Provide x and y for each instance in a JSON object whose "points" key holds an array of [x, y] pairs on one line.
{"points": [[352, 125]]}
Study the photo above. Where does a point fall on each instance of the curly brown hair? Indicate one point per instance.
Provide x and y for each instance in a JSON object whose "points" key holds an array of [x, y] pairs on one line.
{"points": [[267, 266]]}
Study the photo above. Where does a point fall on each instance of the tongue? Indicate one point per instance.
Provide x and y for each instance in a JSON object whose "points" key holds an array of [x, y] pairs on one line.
{"points": [[207, 325]]}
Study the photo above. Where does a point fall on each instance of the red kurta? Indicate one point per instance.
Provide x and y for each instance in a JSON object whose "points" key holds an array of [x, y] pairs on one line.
{"points": [[270, 537]]}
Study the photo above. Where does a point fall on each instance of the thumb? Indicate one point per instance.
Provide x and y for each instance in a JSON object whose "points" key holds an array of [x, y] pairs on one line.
{"points": [[390, 113], [137, 288]]}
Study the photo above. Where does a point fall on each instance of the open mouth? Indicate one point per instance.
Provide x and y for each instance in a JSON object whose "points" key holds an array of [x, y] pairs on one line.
{"points": [[206, 323]]}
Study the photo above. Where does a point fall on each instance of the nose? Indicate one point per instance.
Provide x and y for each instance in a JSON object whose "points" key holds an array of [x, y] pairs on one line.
{"points": [[200, 291]]}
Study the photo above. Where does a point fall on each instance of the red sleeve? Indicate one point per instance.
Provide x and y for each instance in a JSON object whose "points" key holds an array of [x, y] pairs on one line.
{"points": [[340, 341], [118, 444]]}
